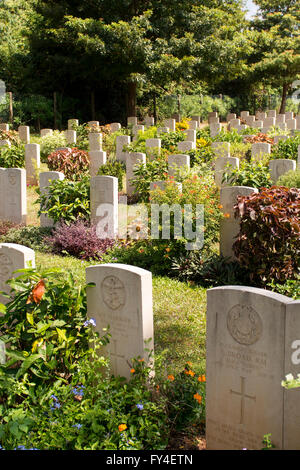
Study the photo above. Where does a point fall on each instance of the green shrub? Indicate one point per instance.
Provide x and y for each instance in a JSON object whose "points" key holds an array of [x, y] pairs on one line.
{"points": [[211, 271], [50, 143], [12, 157], [240, 150], [254, 174], [268, 244], [30, 236], [291, 179], [73, 164], [66, 200], [286, 149], [290, 288], [114, 168], [43, 326], [154, 170]]}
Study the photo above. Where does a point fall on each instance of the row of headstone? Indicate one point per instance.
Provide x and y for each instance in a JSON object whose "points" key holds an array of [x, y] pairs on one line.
{"points": [[252, 343], [121, 299]]}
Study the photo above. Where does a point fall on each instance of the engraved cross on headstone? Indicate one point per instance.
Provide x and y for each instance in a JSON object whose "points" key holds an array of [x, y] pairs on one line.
{"points": [[115, 356], [243, 396]]}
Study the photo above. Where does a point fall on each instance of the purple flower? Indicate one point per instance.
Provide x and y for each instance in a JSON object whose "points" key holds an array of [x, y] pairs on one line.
{"points": [[140, 406], [78, 391], [78, 426], [92, 322]]}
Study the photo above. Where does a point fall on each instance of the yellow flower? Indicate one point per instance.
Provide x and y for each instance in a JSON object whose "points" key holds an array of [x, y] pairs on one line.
{"points": [[122, 427]]}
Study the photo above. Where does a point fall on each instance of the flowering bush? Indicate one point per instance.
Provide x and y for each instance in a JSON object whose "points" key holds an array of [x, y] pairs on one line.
{"points": [[79, 239], [73, 164], [269, 240]]}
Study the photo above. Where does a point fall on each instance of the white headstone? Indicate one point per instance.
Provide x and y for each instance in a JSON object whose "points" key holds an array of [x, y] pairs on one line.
{"points": [[279, 167], [291, 124], [136, 129], [233, 123], [132, 121], [186, 146], [4, 127], [121, 142], [289, 115], [72, 123], [70, 136], [171, 124], [272, 113], [224, 165], [229, 225], [93, 123], [177, 161], [32, 162], [230, 116], [244, 114], [122, 300], [95, 141], [45, 132], [104, 205], [133, 160], [259, 149], [153, 147], [190, 135], [194, 125], [5, 143], [24, 134], [269, 121], [277, 138], [45, 178], [221, 149], [97, 159], [149, 121], [257, 124], [215, 129], [12, 258], [13, 203], [115, 126], [250, 333]]}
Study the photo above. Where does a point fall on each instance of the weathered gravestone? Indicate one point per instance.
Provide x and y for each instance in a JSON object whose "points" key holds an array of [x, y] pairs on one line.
{"points": [[279, 167], [45, 132], [12, 258], [95, 141], [225, 165], [259, 149], [72, 123], [32, 162], [149, 121], [70, 136], [104, 205], [221, 149], [45, 178], [133, 160], [24, 134], [153, 148], [4, 127], [132, 121], [115, 126], [249, 336], [13, 204], [186, 146], [5, 143], [136, 129], [190, 135], [175, 162], [215, 129], [122, 300], [229, 225], [171, 124], [121, 142], [97, 159]]}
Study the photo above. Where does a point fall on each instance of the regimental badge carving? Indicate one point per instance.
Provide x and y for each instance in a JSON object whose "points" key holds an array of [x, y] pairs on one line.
{"points": [[244, 324], [6, 270], [12, 178], [113, 292]]}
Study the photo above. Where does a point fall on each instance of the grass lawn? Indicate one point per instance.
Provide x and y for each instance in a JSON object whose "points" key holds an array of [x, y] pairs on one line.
{"points": [[179, 314]]}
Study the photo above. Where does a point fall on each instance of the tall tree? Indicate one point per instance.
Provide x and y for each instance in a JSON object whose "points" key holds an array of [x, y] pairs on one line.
{"points": [[278, 45]]}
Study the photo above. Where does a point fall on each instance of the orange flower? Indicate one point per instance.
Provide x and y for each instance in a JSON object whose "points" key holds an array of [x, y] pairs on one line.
{"points": [[168, 249], [171, 377], [37, 292], [132, 371], [122, 427], [141, 360], [227, 215], [220, 206], [191, 373], [198, 397], [203, 378], [189, 363]]}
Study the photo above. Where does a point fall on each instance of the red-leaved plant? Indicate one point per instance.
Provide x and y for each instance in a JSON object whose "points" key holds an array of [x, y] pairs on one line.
{"points": [[73, 164], [79, 240], [268, 244]]}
